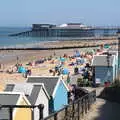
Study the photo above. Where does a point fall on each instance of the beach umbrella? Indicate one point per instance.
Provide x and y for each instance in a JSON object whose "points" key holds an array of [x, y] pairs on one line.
{"points": [[65, 71], [21, 69], [62, 59], [106, 46]]}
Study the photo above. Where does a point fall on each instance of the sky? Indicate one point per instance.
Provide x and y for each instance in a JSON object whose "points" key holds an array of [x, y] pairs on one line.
{"points": [[90, 12]]}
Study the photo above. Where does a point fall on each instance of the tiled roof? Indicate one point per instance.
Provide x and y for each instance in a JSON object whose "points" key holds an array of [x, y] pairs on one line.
{"points": [[30, 90], [101, 60], [7, 99], [49, 82]]}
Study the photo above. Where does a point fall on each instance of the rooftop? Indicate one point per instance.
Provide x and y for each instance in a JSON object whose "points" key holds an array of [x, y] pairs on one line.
{"points": [[101, 60], [49, 82]]}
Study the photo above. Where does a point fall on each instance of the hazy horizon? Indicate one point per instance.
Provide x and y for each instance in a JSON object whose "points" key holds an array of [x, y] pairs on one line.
{"points": [[24, 13]]}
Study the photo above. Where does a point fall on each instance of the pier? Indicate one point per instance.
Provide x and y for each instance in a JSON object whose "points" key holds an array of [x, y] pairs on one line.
{"points": [[26, 34], [67, 30]]}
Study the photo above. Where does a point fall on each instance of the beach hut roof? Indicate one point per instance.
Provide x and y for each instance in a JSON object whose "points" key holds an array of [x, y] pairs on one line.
{"points": [[114, 52], [9, 98], [31, 90], [101, 60], [50, 82]]}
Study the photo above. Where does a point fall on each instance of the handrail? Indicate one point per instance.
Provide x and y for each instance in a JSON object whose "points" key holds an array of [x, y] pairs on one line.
{"points": [[74, 102]]}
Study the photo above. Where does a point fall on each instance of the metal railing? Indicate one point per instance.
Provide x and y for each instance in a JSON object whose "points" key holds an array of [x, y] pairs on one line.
{"points": [[12, 107], [75, 110]]}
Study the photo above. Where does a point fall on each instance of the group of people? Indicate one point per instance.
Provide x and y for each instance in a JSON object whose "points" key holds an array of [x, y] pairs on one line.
{"points": [[19, 69]]}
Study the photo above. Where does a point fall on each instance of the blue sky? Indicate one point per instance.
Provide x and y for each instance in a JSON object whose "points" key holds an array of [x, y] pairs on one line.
{"points": [[90, 12]]}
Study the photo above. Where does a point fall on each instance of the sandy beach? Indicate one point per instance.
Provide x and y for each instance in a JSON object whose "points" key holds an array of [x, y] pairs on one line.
{"points": [[8, 58]]}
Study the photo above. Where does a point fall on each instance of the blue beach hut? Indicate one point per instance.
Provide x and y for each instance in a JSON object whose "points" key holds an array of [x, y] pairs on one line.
{"points": [[115, 53], [56, 89], [103, 73]]}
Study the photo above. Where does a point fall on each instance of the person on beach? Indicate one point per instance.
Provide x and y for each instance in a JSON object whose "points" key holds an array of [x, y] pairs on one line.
{"points": [[54, 73], [0, 66], [54, 53], [68, 78]]}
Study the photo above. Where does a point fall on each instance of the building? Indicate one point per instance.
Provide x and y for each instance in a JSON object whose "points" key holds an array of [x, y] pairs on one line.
{"points": [[14, 98], [103, 71], [116, 60], [56, 88], [35, 93]]}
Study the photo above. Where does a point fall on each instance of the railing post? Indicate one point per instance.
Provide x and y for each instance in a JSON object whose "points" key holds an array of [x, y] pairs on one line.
{"points": [[66, 113], [40, 107], [94, 95], [73, 110], [85, 105], [88, 101], [82, 107], [11, 113], [55, 116], [78, 110], [32, 114]]}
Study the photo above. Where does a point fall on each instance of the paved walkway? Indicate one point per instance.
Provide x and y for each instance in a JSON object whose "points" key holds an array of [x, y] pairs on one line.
{"points": [[103, 109]]}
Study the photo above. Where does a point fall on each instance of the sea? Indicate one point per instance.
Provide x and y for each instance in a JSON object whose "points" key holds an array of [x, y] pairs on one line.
{"points": [[18, 41]]}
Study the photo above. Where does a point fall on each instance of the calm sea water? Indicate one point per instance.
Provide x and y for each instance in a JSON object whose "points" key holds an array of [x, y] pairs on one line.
{"points": [[18, 41], [7, 41]]}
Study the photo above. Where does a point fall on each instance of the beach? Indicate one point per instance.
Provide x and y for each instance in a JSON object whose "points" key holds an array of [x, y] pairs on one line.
{"points": [[8, 59]]}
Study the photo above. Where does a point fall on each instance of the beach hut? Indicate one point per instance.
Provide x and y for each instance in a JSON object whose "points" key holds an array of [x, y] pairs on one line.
{"points": [[14, 98], [36, 94], [102, 72], [56, 88], [116, 60]]}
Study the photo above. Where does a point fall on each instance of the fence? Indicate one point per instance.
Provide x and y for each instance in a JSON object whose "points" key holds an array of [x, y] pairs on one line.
{"points": [[75, 110], [10, 109]]}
